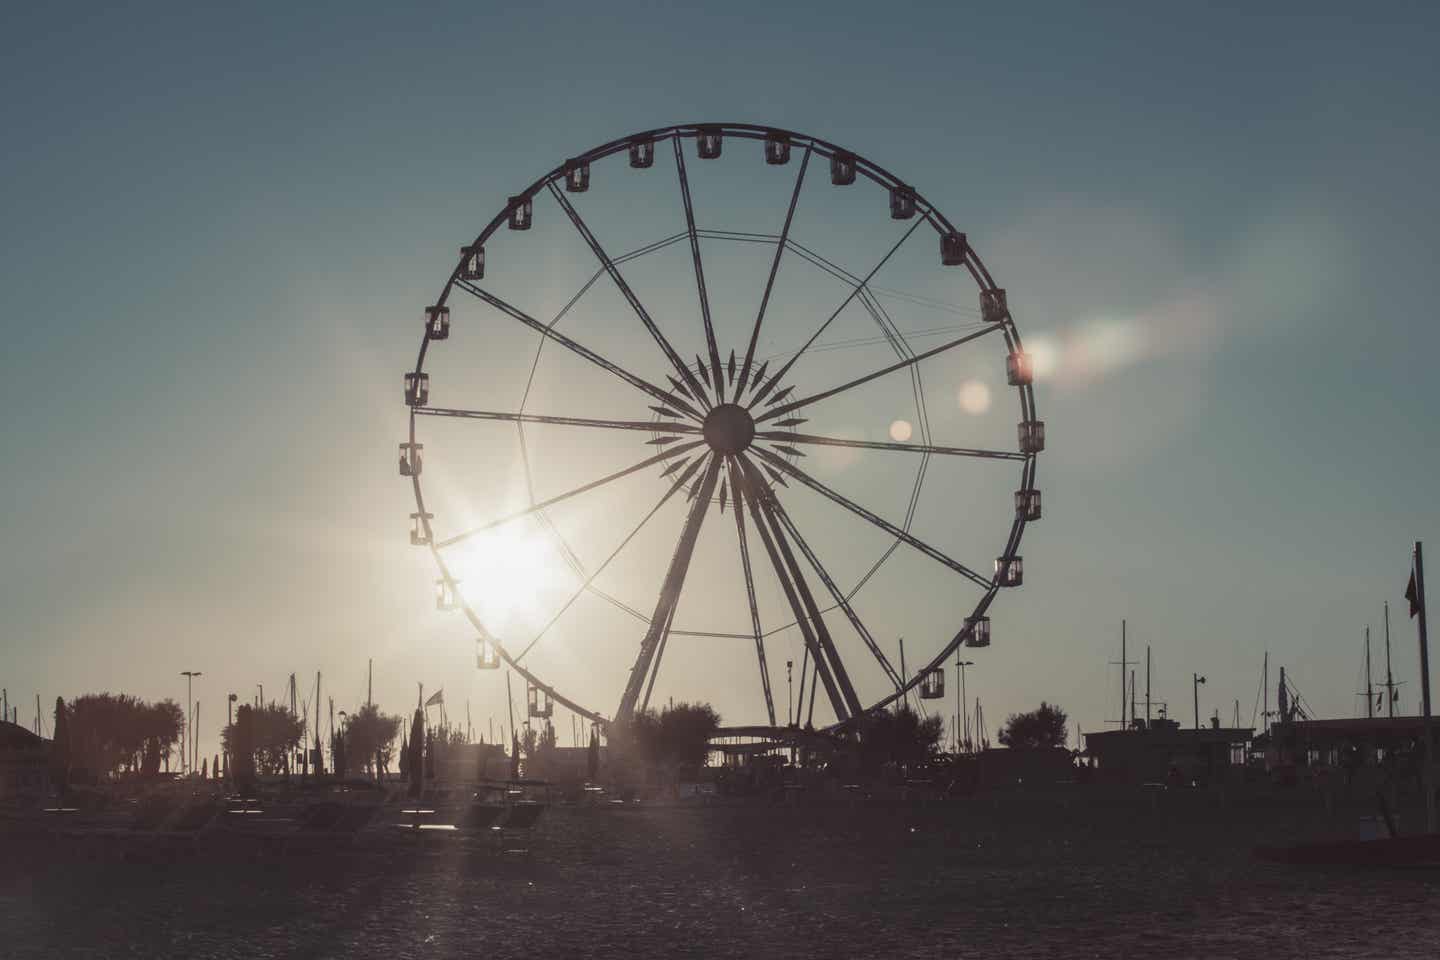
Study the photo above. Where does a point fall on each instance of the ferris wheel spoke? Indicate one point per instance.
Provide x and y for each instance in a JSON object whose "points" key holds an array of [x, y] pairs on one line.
{"points": [[577, 348], [680, 366], [770, 280], [652, 646], [738, 487], [807, 616], [648, 426], [683, 479], [836, 594], [716, 374], [780, 436], [785, 466], [785, 408], [647, 462], [854, 292]]}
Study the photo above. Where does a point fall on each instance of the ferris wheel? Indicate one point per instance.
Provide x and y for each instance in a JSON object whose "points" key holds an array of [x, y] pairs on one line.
{"points": [[729, 438]]}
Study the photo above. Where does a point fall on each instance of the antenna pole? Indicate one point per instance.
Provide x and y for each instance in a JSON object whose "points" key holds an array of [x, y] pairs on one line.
{"points": [[1122, 677], [370, 683]]}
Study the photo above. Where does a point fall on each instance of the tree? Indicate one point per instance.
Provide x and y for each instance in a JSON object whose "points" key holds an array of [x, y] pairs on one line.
{"points": [[685, 732], [677, 737], [370, 737], [274, 734], [60, 748], [416, 761], [239, 740], [899, 737], [113, 733], [337, 753], [1043, 728]]}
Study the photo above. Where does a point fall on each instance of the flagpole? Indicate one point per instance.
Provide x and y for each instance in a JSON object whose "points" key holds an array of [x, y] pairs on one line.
{"points": [[1428, 772]]}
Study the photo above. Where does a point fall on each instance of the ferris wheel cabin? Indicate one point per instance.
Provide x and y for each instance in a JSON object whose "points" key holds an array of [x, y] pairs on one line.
{"points": [[842, 169], [777, 149], [1019, 369], [486, 656], [1009, 571], [954, 248], [577, 176], [410, 462], [642, 154], [446, 594], [977, 630], [707, 143], [540, 703], [417, 389], [902, 203], [418, 536], [932, 684], [437, 323], [522, 213], [1027, 504], [993, 308], [1032, 436], [472, 263]]}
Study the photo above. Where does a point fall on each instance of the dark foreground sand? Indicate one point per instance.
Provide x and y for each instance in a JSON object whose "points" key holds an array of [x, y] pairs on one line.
{"points": [[1079, 873]]}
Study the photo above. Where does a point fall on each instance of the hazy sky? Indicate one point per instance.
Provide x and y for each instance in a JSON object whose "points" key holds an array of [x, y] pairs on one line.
{"points": [[219, 229]]}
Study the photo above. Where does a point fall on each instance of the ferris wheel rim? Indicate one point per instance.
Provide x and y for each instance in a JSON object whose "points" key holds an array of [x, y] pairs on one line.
{"points": [[925, 211]]}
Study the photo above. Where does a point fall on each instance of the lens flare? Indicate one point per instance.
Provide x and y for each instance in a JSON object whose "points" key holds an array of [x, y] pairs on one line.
{"points": [[974, 397], [900, 431]]}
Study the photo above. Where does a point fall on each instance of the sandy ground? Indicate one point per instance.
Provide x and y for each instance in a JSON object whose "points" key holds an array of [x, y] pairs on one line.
{"points": [[1077, 873]]}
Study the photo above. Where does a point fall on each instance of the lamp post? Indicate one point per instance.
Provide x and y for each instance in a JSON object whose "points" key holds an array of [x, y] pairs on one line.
{"points": [[189, 676], [229, 725], [789, 693], [1195, 689], [960, 665]]}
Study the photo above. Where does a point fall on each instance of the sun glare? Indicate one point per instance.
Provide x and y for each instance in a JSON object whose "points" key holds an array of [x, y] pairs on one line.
{"points": [[506, 576]]}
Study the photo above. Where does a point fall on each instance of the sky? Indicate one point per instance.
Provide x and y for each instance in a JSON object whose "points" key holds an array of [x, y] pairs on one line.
{"points": [[1215, 227]]}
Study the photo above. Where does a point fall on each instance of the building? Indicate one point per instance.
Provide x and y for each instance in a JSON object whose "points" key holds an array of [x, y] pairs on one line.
{"points": [[1162, 750], [24, 766], [1343, 741]]}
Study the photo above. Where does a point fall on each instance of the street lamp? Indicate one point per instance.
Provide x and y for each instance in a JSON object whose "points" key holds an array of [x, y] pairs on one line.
{"points": [[960, 704], [189, 676], [1195, 689], [789, 694]]}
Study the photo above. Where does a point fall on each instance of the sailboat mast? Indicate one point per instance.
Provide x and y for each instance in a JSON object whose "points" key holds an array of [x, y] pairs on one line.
{"points": [[1147, 686], [1369, 689], [1122, 675], [1132, 698], [1265, 688], [1389, 677]]}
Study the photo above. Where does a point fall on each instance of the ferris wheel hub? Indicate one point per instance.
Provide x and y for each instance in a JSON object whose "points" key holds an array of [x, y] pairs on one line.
{"points": [[729, 428]]}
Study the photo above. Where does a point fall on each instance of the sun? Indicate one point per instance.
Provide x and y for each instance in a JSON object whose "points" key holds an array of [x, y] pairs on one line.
{"points": [[506, 576]]}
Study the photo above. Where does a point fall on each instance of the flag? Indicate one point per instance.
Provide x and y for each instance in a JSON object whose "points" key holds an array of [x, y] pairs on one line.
{"points": [[1413, 595], [437, 697]]}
